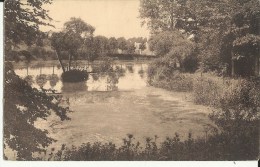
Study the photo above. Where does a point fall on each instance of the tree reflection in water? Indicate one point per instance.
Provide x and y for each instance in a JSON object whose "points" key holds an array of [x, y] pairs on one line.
{"points": [[130, 68], [111, 74], [95, 77], [112, 81], [68, 87], [54, 79], [141, 73], [121, 71], [29, 79], [41, 80]]}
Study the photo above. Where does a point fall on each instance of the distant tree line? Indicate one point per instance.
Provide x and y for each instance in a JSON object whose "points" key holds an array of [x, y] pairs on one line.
{"points": [[75, 41]]}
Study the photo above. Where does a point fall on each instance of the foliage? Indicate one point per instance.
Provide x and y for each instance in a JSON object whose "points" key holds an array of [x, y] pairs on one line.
{"points": [[166, 15], [76, 33], [176, 47], [100, 45], [164, 73], [122, 44], [112, 44], [209, 90], [54, 79], [29, 79], [224, 31], [42, 53], [78, 26], [22, 20], [23, 105], [216, 147], [239, 117]]}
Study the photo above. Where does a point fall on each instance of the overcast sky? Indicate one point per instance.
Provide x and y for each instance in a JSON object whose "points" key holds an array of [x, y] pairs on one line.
{"points": [[110, 17]]}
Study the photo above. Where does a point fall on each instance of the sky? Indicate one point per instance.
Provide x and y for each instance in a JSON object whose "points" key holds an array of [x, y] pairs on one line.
{"points": [[111, 18]]}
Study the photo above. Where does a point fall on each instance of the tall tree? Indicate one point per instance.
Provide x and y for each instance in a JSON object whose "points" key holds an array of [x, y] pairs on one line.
{"points": [[78, 26], [100, 45], [75, 35], [166, 15], [122, 44], [112, 44]]}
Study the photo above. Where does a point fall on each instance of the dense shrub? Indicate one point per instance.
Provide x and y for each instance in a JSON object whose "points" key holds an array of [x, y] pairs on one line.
{"points": [[74, 76], [208, 90], [238, 119], [164, 73]]}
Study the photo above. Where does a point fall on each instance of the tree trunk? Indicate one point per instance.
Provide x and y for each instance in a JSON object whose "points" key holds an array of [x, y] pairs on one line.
{"points": [[63, 69]]}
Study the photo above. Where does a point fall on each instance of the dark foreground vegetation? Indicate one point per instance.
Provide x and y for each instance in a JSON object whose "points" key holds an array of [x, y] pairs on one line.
{"points": [[221, 146]]}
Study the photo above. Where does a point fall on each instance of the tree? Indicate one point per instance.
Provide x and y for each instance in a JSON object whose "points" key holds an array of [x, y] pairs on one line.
{"points": [[112, 44], [23, 105], [130, 45], [78, 26], [75, 35], [166, 15], [224, 31], [122, 44], [175, 46], [142, 46], [57, 44], [100, 45], [22, 20], [164, 42]]}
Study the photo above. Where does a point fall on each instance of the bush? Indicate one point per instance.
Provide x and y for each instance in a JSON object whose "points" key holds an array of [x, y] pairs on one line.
{"points": [[216, 147], [74, 76], [208, 90], [163, 73], [238, 119]]}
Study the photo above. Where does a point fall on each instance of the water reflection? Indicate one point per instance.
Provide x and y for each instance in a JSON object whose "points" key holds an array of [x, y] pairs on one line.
{"points": [[120, 71], [130, 68], [123, 76], [68, 87], [112, 81], [54, 79], [141, 73], [41, 80], [95, 77]]}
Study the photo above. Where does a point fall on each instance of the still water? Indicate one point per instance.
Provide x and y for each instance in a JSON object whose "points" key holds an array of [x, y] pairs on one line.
{"points": [[105, 109]]}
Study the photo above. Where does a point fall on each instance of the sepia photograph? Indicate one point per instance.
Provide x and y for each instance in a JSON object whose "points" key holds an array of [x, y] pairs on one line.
{"points": [[131, 80]]}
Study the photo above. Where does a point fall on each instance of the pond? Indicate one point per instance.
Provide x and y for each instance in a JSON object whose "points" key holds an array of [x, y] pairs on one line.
{"points": [[105, 109]]}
